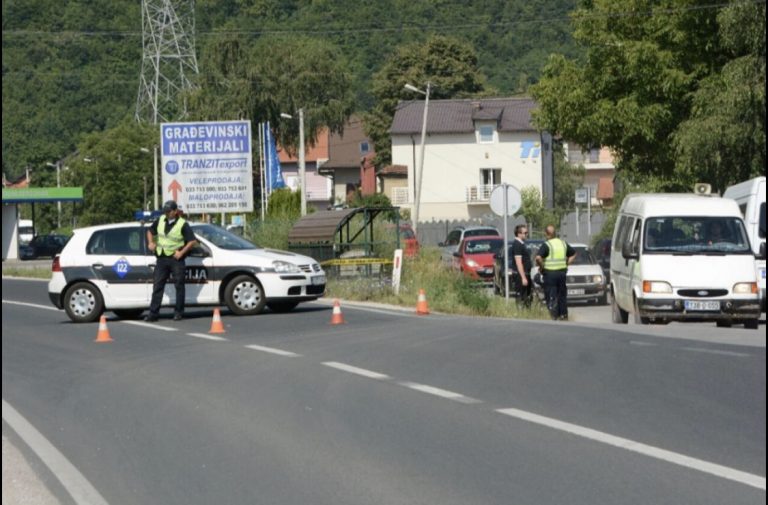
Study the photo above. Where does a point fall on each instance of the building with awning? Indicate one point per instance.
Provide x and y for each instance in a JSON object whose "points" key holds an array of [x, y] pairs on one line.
{"points": [[12, 197]]}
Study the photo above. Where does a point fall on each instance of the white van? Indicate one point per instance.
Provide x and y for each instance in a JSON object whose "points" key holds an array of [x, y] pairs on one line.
{"points": [[750, 196], [26, 231], [683, 257]]}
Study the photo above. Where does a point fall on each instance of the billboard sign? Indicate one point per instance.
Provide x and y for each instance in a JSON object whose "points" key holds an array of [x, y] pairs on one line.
{"points": [[206, 166]]}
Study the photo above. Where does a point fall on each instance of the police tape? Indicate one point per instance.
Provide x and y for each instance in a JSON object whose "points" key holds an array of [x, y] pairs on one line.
{"points": [[355, 261]]}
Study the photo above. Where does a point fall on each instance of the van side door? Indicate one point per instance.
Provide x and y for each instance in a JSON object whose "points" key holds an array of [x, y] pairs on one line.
{"points": [[620, 272]]}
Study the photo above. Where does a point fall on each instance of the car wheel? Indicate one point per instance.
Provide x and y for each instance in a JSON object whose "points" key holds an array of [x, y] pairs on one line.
{"points": [[619, 316], [128, 313], [752, 324], [282, 306], [244, 296], [83, 303]]}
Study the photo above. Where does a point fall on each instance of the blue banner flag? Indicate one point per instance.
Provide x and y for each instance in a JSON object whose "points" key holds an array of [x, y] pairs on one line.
{"points": [[272, 162]]}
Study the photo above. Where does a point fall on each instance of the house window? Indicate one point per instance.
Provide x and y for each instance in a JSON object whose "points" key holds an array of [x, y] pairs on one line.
{"points": [[486, 134], [594, 155], [490, 176], [365, 148]]}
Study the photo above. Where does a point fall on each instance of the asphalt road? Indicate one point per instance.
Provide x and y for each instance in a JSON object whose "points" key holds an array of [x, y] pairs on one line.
{"points": [[389, 408]]}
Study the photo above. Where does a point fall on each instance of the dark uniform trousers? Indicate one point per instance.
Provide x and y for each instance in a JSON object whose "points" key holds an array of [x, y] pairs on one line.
{"points": [[167, 265], [524, 292], [556, 293]]}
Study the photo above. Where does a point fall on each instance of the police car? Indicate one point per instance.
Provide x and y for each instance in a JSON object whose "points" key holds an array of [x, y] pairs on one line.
{"points": [[109, 267]]}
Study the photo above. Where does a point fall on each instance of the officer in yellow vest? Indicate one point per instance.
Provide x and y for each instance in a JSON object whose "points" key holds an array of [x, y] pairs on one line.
{"points": [[553, 259], [170, 238]]}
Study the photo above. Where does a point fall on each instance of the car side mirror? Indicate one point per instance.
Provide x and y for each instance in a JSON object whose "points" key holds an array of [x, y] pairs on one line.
{"points": [[199, 252], [457, 254], [761, 254], [628, 253]]}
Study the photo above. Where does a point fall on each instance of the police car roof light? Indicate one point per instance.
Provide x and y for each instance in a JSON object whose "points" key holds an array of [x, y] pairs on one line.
{"points": [[147, 215]]}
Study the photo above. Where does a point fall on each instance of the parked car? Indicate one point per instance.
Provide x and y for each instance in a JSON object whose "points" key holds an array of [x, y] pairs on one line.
{"points": [[602, 253], [43, 246], [451, 243], [108, 267], [408, 241], [475, 257], [584, 278]]}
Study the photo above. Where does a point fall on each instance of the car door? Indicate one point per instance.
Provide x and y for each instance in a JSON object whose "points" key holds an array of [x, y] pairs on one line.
{"points": [[198, 285], [119, 265]]}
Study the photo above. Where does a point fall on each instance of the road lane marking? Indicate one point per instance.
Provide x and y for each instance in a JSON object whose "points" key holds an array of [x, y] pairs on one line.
{"points": [[355, 370], [272, 350], [35, 305], [207, 337], [642, 344], [150, 325], [78, 487], [442, 393], [647, 450], [716, 351]]}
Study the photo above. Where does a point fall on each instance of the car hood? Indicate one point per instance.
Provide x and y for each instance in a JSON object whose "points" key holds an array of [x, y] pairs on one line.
{"points": [[721, 271], [485, 259], [263, 257]]}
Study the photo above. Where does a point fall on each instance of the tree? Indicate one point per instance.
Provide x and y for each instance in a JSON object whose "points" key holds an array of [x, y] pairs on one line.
{"points": [[449, 64], [644, 60], [276, 75], [723, 140]]}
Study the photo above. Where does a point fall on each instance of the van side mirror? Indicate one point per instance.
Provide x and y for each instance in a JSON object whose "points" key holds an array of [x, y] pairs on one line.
{"points": [[761, 254], [628, 253]]}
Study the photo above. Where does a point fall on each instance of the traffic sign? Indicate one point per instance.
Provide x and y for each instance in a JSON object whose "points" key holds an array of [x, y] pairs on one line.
{"points": [[582, 195], [513, 200]]}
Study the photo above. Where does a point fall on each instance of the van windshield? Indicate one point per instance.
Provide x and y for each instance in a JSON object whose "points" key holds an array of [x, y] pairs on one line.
{"points": [[695, 235], [222, 238]]}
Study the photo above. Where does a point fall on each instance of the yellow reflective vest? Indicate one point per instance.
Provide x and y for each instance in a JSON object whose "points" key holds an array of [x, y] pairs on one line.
{"points": [[556, 259], [167, 244]]}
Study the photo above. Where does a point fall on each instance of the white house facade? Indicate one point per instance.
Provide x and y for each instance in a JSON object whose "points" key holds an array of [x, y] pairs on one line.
{"points": [[471, 147]]}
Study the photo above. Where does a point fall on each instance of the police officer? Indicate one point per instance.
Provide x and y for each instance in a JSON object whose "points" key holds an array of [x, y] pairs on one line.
{"points": [[553, 259], [170, 238]]}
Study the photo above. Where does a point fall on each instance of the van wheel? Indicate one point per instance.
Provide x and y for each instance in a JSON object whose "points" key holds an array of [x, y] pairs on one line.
{"points": [[724, 323], [244, 296], [638, 318], [619, 316], [83, 303], [752, 324], [128, 313]]}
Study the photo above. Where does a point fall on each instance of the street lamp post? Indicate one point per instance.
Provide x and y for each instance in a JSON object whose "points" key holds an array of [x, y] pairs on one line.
{"points": [[420, 176], [57, 165], [302, 166]]}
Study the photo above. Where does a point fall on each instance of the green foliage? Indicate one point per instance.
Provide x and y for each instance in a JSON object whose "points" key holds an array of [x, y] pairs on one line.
{"points": [[284, 204]]}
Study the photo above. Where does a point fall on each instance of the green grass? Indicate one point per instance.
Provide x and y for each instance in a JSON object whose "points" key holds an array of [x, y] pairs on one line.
{"points": [[34, 273]]}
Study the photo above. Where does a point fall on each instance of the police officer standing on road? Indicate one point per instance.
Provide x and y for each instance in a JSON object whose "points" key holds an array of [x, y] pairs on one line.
{"points": [[521, 259], [553, 259], [170, 238]]}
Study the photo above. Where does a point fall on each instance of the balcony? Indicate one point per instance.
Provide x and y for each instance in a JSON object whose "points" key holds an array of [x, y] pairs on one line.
{"points": [[479, 194]]}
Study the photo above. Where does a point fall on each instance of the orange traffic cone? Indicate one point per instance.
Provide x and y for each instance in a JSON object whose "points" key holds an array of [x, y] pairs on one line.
{"points": [[337, 317], [103, 334], [216, 324], [421, 304]]}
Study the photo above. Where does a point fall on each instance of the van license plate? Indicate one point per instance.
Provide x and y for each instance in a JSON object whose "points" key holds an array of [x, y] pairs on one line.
{"points": [[576, 291], [318, 279], [702, 306]]}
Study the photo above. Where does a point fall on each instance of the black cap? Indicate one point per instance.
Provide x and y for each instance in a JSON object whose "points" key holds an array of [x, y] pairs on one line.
{"points": [[169, 206]]}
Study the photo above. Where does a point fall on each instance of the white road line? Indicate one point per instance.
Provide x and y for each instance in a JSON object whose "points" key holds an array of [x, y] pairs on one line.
{"points": [[642, 344], [25, 304], [272, 350], [150, 325], [207, 337], [715, 351], [450, 395], [358, 371], [82, 492], [647, 450]]}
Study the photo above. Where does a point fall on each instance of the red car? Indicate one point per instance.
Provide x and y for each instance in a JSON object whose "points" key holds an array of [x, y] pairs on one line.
{"points": [[475, 256], [408, 241]]}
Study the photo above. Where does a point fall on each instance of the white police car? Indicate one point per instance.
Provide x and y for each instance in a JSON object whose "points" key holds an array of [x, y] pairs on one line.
{"points": [[109, 267]]}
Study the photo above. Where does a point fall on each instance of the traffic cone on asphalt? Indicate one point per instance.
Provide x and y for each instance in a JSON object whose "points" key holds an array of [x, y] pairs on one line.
{"points": [[216, 324], [421, 304], [103, 334], [337, 317]]}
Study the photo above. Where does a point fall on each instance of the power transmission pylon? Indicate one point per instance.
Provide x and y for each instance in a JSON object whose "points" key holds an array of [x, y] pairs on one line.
{"points": [[168, 59]]}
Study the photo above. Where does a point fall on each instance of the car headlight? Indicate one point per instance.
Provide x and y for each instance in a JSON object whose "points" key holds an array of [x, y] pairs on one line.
{"points": [[283, 267], [656, 287], [472, 264], [745, 288], [597, 279]]}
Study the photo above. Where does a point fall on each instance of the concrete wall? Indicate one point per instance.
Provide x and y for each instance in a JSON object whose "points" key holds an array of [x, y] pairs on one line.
{"points": [[10, 232]]}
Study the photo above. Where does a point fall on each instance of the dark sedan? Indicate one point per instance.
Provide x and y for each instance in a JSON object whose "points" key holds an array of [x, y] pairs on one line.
{"points": [[43, 246]]}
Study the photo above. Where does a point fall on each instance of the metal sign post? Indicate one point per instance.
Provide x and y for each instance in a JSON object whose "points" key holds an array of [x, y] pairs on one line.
{"points": [[505, 201]]}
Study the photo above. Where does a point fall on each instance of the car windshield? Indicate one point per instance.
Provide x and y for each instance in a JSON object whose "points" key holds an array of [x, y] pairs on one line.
{"points": [[583, 257], [480, 231], [222, 238], [695, 235], [482, 246]]}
